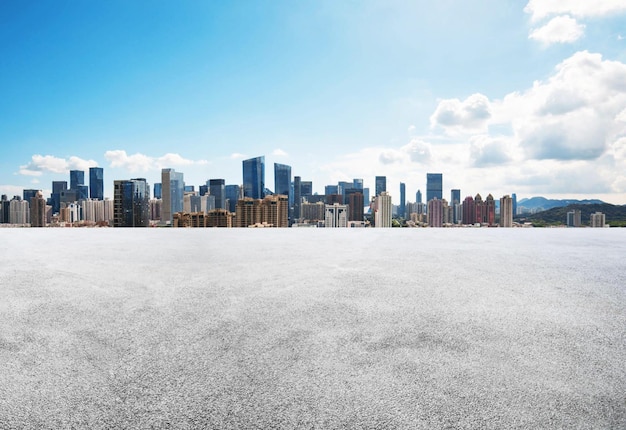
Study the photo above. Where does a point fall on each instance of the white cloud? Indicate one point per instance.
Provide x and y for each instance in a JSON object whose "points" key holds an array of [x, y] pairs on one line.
{"points": [[488, 151], [142, 163], [279, 153], [237, 156], [540, 9], [40, 164], [418, 151], [456, 116], [560, 29]]}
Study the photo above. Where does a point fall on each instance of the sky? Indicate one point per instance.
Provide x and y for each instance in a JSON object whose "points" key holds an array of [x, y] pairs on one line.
{"points": [[501, 97]]}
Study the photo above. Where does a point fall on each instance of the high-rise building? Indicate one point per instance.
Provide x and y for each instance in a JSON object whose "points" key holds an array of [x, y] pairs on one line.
{"points": [[506, 211], [597, 219], [469, 211], [254, 177], [381, 185], [514, 197], [275, 210], [82, 192], [217, 188], [248, 212], [157, 191], [4, 209], [574, 218], [131, 203], [455, 205], [418, 197], [57, 188], [233, 194], [331, 189], [436, 211], [357, 183], [306, 188], [96, 183], [29, 194], [434, 186], [77, 177], [355, 206], [297, 197], [336, 215], [384, 210], [38, 210], [402, 207], [490, 210], [19, 211], [172, 194], [282, 180]]}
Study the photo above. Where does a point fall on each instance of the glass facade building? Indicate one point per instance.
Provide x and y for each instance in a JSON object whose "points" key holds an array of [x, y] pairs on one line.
{"points": [[96, 183], [254, 177], [381, 184], [217, 189], [232, 193], [77, 177], [131, 203], [434, 186]]}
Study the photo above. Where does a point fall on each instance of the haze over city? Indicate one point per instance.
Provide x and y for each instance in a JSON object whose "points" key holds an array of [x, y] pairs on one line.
{"points": [[500, 97]]}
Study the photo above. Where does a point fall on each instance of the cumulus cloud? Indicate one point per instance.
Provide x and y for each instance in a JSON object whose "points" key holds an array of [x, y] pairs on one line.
{"points": [[456, 116], [560, 29], [540, 9], [488, 151], [142, 163], [40, 164], [418, 151]]}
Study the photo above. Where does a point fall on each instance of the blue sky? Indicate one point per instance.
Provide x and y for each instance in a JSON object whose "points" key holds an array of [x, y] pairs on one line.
{"points": [[525, 97]]}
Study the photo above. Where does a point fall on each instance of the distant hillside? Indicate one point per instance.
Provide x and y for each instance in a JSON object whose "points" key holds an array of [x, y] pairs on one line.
{"points": [[535, 204], [615, 215]]}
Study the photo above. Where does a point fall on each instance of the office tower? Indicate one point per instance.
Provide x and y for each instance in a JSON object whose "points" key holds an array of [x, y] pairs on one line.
{"points": [[331, 189], [342, 186], [155, 209], [597, 219], [96, 183], [313, 211], [355, 206], [282, 180], [357, 183], [336, 215], [435, 212], [297, 197], [247, 212], [418, 197], [217, 188], [157, 190], [331, 199], [254, 177], [82, 192], [232, 194], [93, 211], [306, 188], [514, 197], [29, 194], [77, 177], [384, 210], [434, 186], [366, 195], [37, 210], [4, 209], [574, 218], [205, 189], [479, 209], [381, 185], [131, 203], [506, 211], [455, 205], [469, 211], [172, 194], [55, 197], [402, 207]]}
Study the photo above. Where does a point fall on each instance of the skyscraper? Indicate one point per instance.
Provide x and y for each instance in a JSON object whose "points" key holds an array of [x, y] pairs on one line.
{"points": [[384, 210], [254, 177], [434, 186], [282, 179], [436, 212], [131, 203], [96, 183], [232, 194], [506, 211], [37, 210], [306, 188], [172, 192], [77, 177], [357, 183], [455, 204], [57, 188], [381, 184], [355, 206], [157, 191], [418, 197], [297, 197], [402, 207], [469, 211], [217, 188]]}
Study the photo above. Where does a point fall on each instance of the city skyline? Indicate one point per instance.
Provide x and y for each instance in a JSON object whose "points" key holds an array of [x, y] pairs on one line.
{"points": [[499, 97]]}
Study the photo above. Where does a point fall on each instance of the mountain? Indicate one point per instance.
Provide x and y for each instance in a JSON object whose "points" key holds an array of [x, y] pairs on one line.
{"points": [[536, 204], [615, 215]]}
